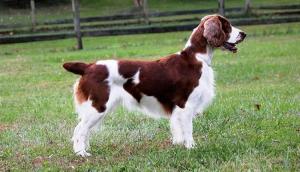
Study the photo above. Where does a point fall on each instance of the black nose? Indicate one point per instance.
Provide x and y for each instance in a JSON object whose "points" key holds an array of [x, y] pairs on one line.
{"points": [[243, 35]]}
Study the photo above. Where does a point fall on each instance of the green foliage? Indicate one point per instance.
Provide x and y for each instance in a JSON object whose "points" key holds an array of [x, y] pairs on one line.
{"points": [[37, 116]]}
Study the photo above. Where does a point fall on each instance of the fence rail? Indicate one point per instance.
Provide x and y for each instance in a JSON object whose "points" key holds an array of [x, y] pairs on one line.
{"points": [[131, 23]]}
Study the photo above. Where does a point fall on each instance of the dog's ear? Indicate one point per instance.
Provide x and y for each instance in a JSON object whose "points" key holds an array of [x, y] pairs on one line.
{"points": [[213, 32]]}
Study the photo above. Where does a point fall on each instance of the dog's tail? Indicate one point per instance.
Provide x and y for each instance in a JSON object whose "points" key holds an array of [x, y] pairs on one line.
{"points": [[76, 67]]}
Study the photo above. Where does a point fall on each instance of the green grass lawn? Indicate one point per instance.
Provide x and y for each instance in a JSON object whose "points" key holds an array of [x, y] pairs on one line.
{"points": [[37, 116]]}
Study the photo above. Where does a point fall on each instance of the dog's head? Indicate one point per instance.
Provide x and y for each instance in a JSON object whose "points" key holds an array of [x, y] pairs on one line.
{"points": [[218, 32]]}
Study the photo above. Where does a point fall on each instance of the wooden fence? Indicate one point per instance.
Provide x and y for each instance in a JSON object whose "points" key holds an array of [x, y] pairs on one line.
{"points": [[168, 21]]}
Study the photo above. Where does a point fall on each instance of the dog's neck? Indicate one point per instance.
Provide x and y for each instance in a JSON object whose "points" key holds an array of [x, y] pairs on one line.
{"points": [[197, 46], [206, 57]]}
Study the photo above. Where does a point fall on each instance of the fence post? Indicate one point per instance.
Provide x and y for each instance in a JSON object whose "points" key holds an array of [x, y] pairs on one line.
{"points": [[33, 19], [221, 6], [76, 19], [145, 11], [247, 6]]}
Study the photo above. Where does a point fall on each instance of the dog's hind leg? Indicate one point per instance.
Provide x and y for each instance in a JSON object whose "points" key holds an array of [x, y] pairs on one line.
{"points": [[89, 117]]}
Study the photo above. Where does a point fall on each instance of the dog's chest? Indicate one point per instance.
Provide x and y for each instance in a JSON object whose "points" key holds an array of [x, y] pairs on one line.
{"points": [[204, 93]]}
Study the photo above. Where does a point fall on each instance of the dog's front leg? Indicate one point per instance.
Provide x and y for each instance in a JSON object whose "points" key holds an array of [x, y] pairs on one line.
{"points": [[181, 123], [182, 127], [187, 126], [176, 129]]}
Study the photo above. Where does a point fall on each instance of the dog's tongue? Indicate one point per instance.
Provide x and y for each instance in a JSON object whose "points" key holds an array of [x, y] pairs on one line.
{"points": [[230, 46]]}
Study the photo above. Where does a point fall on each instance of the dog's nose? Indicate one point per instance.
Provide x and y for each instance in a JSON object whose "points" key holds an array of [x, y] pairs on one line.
{"points": [[243, 35]]}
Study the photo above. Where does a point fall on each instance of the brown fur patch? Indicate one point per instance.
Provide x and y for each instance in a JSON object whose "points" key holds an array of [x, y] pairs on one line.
{"points": [[216, 30], [80, 96], [198, 42], [92, 86], [170, 80]]}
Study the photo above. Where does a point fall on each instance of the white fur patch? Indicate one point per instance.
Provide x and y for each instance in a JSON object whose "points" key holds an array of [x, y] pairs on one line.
{"points": [[136, 77], [152, 107], [234, 35], [206, 88], [206, 57], [89, 117], [85, 109], [113, 71]]}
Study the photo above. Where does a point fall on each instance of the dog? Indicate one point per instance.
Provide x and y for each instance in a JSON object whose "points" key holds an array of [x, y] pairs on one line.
{"points": [[176, 87]]}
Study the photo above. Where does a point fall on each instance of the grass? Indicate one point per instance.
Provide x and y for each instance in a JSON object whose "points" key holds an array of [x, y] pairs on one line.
{"points": [[108, 7], [37, 116]]}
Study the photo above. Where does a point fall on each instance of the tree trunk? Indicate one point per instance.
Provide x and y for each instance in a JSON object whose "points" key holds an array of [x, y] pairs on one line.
{"points": [[247, 6], [221, 5], [33, 19], [76, 18]]}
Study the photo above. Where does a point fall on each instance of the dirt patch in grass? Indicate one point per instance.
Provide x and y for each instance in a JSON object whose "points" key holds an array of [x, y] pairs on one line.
{"points": [[4, 127], [38, 161]]}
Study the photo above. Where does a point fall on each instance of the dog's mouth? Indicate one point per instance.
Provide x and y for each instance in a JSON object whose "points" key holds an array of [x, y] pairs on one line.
{"points": [[230, 47]]}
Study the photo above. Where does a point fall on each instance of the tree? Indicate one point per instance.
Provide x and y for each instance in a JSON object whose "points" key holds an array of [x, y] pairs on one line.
{"points": [[221, 7], [76, 19]]}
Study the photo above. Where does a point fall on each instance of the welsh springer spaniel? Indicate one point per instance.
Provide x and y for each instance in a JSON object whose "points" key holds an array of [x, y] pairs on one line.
{"points": [[176, 87]]}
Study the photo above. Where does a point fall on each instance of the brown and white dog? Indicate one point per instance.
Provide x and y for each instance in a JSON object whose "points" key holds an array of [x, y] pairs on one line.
{"points": [[177, 87]]}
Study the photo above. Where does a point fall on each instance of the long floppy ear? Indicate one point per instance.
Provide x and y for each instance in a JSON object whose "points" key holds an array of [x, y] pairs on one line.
{"points": [[213, 32]]}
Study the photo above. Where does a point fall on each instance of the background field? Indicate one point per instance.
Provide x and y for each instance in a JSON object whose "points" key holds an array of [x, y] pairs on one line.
{"points": [[54, 18], [108, 7], [37, 116]]}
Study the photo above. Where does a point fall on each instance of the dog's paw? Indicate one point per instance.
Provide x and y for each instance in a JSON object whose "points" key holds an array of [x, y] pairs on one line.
{"points": [[83, 153], [190, 144]]}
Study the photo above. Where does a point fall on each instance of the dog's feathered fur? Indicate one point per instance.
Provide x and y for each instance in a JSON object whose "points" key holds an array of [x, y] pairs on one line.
{"points": [[177, 87]]}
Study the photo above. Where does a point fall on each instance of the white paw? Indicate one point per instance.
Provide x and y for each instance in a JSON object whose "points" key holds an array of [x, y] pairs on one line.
{"points": [[83, 153], [190, 144], [177, 141]]}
